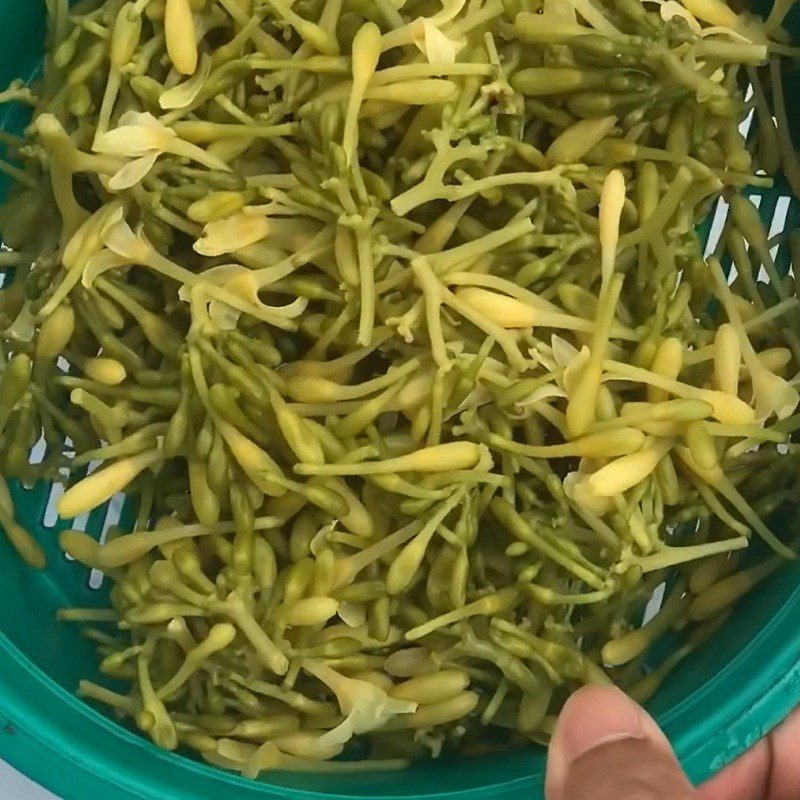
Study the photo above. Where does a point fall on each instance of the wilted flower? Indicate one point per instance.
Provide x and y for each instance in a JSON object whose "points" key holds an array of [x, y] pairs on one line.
{"points": [[671, 9], [142, 138], [231, 234], [232, 290], [427, 34], [124, 247], [772, 394], [435, 45], [578, 489], [184, 94], [366, 707], [82, 247], [573, 369], [354, 615]]}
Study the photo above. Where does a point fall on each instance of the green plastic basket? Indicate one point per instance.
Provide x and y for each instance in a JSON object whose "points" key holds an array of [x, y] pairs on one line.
{"points": [[714, 706]]}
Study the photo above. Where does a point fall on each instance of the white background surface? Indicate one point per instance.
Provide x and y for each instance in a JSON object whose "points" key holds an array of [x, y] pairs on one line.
{"points": [[14, 786]]}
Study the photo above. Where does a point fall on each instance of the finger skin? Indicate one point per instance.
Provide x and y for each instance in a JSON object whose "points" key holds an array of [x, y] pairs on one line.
{"points": [[769, 771], [605, 747]]}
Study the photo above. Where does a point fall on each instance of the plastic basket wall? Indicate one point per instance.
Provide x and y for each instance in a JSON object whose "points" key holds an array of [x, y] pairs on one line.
{"points": [[716, 704]]}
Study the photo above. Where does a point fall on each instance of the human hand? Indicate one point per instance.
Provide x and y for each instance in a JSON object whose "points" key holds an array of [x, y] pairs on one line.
{"points": [[606, 747]]}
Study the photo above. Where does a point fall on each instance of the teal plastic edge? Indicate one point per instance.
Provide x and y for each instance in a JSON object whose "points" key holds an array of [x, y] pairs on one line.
{"points": [[76, 752], [64, 744]]}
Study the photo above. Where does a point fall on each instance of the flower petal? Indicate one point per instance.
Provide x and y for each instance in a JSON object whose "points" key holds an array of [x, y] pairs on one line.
{"points": [[134, 247], [89, 238], [133, 172], [354, 615], [672, 9], [290, 310], [717, 30], [224, 316], [137, 134], [131, 141], [773, 395], [574, 370], [577, 488], [450, 10], [366, 706], [144, 118], [237, 280], [338, 736], [183, 94], [222, 273], [231, 234], [435, 45], [563, 351], [440, 48], [24, 326], [183, 149], [99, 263], [546, 392]]}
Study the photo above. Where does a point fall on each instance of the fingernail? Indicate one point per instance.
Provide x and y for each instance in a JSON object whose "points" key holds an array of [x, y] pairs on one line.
{"points": [[601, 724]]}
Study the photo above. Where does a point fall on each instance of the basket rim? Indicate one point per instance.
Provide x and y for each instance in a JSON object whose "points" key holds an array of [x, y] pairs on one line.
{"points": [[708, 728], [76, 751]]}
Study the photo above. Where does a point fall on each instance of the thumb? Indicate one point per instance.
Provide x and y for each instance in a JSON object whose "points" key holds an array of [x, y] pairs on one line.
{"points": [[606, 747]]}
